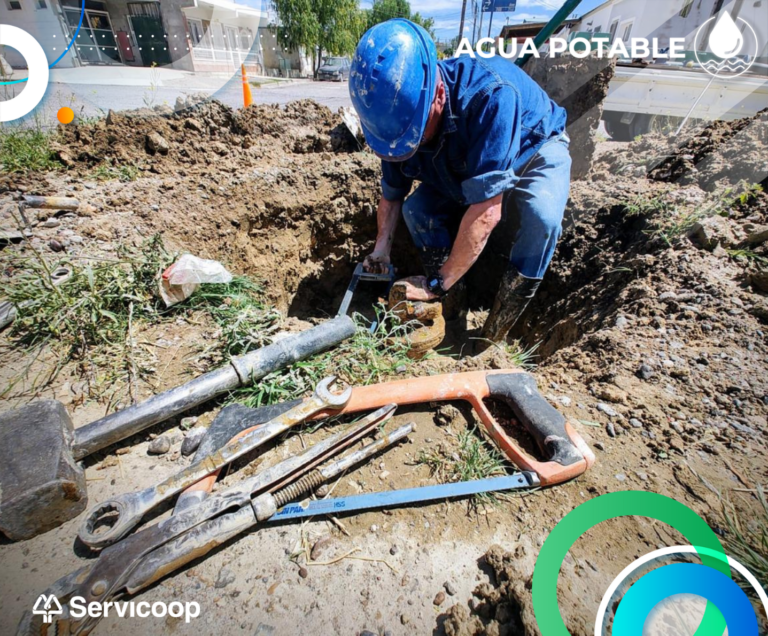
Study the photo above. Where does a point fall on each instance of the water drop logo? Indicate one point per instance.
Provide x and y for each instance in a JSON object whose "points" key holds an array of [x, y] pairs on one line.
{"points": [[650, 588], [725, 47]]}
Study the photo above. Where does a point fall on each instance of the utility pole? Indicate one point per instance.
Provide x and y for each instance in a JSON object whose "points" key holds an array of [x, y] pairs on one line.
{"points": [[474, 23], [480, 28], [461, 26], [490, 24]]}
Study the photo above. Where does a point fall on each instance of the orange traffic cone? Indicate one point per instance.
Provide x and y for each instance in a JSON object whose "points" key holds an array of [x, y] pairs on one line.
{"points": [[247, 97]]}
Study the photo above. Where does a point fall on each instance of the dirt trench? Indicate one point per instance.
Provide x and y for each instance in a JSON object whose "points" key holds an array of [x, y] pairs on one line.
{"points": [[658, 345]]}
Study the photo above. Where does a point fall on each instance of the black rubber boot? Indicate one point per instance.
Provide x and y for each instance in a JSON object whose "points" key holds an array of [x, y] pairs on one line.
{"points": [[515, 292], [455, 301]]}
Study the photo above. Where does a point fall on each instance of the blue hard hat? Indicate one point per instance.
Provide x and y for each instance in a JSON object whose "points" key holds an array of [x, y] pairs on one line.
{"points": [[392, 85]]}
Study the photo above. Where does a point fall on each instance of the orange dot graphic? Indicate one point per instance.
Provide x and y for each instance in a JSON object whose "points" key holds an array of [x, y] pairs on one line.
{"points": [[65, 115]]}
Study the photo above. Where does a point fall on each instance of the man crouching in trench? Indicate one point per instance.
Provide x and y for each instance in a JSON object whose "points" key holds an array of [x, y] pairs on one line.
{"points": [[470, 130]]}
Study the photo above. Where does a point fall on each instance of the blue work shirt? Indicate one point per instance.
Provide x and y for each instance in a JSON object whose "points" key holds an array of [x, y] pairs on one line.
{"points": [[495, 120]]}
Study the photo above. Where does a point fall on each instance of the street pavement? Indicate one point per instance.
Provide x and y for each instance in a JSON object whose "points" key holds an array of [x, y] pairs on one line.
{"points": [[94, 100]]}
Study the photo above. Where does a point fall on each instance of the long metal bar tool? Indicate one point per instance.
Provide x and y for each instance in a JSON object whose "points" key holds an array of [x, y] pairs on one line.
{"points": [[111, 520]]}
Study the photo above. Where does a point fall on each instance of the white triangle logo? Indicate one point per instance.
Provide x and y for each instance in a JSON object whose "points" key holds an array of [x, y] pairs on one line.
{"points": [[48, 606]]}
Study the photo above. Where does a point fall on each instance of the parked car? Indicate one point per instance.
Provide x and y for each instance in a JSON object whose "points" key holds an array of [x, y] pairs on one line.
{"points": [[334, 68]]}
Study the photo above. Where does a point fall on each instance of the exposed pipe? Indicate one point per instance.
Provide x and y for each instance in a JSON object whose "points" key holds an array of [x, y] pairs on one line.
{"points": [[240, 371]]}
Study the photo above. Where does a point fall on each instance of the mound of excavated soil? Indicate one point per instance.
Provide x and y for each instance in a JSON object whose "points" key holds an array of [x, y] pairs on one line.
{"points": [[192, 140], [655, 339], [719, 154]]}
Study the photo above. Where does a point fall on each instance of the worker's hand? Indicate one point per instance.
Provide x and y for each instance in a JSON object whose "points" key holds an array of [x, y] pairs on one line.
{"points": [[416, 288], [377, 262]]}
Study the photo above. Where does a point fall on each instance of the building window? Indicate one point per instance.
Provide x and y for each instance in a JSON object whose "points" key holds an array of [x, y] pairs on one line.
{"points": [[14, 5], [686, 10], [627, 33], [614, 28]]}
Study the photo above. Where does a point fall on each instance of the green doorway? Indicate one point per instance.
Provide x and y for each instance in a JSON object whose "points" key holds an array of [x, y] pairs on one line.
{"points": [[149, 34]]}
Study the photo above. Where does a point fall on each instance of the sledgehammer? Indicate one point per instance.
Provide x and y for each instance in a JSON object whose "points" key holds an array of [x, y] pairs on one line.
{"points": [[41, 483]]}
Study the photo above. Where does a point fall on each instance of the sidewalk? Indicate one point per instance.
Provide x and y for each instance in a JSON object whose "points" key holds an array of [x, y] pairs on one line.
{"points": [[149, 77]]}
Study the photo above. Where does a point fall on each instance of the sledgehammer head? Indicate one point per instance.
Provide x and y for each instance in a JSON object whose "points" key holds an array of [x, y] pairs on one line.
{"points": [[41, 485]]}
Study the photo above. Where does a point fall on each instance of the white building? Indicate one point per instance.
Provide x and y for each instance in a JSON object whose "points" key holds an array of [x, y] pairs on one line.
{"points": [[664, 19], [192, 35]]}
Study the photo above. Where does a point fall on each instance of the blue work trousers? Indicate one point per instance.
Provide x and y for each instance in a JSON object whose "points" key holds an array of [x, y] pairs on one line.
{"points": [[538, 201]]}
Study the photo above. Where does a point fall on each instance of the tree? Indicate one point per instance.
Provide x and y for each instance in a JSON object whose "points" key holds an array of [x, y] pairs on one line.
{"points": [[383, 10], [320, 26]]}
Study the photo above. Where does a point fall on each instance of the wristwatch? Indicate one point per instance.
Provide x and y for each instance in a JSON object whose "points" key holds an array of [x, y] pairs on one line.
{"points": [[435, 285]]}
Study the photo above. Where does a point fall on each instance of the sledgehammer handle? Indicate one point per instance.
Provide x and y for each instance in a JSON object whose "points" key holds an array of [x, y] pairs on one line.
{"points": [[240, 371]]}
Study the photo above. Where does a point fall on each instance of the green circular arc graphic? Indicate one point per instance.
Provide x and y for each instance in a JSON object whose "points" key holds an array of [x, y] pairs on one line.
{"points": [[620, 504]]}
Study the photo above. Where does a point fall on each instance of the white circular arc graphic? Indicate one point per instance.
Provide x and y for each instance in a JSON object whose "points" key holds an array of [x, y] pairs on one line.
{"points": [[696, 50], [37, 65], [675, 549]]}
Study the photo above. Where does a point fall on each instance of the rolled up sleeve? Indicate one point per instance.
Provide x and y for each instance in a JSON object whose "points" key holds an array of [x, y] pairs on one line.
{"points": [[494, 145], [395, 186]]}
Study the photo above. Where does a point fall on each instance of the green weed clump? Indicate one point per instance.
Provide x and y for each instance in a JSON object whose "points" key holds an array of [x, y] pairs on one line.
{"points": [[95, 314], [476, 458], [93, 307], [26, 150], [372, 355]]}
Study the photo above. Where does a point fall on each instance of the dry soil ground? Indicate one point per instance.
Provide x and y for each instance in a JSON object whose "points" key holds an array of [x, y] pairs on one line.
{"points": [[651, 334]]}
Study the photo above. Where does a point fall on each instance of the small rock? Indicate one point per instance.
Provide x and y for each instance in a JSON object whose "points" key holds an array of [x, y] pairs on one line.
{"points": [[611, 394], [55, 245], [449, 587], [759, 280], [52, 222], [157, 143], [374, 528], [224, 578], [404, 619], [635, 423], [159, 446], [368, 632], [621, 477], [598, 446], [644, 372], [608, 410], [611, 429], [447, 414], [641, 475], [621, 322], [440, 598], [393, 550], [564, 400], [401, 369], [320, 545], [303, 572], [758, 236], [711, 233], [192, 440], [194, 124], [187, 422]]}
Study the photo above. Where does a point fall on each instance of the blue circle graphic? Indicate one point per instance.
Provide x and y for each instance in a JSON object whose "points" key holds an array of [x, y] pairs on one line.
{"points": [[685, 578]]}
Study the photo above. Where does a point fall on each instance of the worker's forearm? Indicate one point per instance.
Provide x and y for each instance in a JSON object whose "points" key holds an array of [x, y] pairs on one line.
{"points": [[387, 216], [474, 231]]}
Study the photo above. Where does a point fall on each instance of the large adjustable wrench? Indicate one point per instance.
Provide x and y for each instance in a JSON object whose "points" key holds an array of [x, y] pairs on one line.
{"points": [[111, 520]]}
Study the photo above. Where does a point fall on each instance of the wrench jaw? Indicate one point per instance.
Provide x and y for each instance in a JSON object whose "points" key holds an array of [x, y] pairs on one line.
{"points": [[332, 400], [107, 522]]}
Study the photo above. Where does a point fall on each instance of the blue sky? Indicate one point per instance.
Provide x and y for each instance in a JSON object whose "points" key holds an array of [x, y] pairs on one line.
{"points": [[447, 13]]}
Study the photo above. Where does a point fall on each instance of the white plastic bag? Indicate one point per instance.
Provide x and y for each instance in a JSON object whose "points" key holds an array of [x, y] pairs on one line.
{"points": [[182, 279]]}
